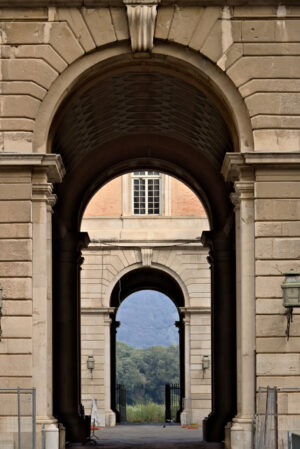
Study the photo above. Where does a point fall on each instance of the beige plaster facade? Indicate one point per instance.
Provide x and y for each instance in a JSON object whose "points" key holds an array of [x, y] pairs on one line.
{"points": [[247, 58]]}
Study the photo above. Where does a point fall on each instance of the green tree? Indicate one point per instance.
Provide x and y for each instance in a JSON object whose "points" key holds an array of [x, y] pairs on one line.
{"points": [[145, 372]]}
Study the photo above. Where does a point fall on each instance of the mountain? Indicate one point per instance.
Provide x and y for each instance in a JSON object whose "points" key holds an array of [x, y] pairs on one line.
{"points": [[147, 319]]}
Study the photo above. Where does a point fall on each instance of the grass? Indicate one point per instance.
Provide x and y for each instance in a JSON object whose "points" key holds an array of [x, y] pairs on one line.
{"points": [[149, 412]]}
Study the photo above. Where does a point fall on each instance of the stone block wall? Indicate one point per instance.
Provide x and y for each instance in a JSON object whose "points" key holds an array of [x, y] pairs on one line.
{"points": [[277, 250], [16, 278]]}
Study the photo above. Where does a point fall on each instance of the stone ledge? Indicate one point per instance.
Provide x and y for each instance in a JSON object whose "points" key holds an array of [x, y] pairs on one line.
{"points": [[52, 162], [234, 161]]}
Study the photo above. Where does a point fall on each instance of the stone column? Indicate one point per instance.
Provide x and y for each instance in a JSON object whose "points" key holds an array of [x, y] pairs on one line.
{"points": [[180, 326], [245, 239], [66, 306], [110, 416], [112, 366], [186, 415], [221, 258]]}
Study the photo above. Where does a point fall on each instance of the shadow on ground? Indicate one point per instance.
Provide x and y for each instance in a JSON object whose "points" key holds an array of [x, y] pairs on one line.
{"points": [[155, 436]]}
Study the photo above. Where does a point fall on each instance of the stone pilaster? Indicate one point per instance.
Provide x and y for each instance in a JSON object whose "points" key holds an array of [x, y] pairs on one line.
{"points": [[110, 416], [42, 299], [242, 423]]}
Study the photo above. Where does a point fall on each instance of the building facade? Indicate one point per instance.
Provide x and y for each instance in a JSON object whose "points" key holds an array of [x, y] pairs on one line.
{"points": [[209, 93]]}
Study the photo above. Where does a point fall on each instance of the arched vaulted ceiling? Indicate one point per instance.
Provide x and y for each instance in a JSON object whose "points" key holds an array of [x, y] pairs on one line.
{"points": [[137, 103]]}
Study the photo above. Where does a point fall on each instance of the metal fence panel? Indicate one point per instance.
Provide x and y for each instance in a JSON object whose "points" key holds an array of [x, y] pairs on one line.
{"points": [[293, 441], [18, 418], [267, 419]]}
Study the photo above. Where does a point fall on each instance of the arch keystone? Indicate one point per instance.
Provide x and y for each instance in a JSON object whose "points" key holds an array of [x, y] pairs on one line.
{"points": [[141, 16]]}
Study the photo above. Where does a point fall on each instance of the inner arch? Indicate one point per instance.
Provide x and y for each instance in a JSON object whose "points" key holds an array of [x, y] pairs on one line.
{"points": [[147, 279]]}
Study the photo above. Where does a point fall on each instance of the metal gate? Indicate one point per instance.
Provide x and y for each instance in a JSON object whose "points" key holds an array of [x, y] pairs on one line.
{"points": [[121, 403], [172, 402]]}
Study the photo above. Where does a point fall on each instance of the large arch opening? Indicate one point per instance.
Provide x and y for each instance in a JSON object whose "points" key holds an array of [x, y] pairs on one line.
{"points": [[124, 117], [139, 280]]}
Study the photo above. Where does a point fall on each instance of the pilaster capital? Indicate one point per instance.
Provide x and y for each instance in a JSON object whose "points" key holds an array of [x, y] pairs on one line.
{"points": [[235, 199], [186, 320], [41, 191], [244, 190], [141, 16], [51, 202]]}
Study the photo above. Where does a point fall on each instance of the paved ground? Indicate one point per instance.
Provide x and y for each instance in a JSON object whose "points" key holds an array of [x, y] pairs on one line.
{"points": [[149, 436]]}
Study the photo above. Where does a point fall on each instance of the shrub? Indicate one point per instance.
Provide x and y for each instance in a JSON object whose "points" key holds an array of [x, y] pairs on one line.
{"points": [[149, 412]]}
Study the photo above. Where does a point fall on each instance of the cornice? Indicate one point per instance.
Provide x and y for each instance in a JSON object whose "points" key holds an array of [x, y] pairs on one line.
{"points": [[197, 309], [97, 310], [234, 163], [51, 162], [106, 3]]}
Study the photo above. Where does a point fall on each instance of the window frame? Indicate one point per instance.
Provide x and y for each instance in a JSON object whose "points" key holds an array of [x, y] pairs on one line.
{"points": [[146, 176]]}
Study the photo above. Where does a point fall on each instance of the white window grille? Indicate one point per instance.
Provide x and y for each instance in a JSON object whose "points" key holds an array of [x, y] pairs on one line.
{"points": [[146, 192]]}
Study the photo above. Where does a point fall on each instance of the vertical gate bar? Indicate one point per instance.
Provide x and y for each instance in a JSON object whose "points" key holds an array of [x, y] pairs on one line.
{"points": [[33, 418], [19, 418], [167, 402]]}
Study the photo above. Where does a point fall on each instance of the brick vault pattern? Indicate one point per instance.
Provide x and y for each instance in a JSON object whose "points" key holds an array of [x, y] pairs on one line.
{"points": [[141, 103]]}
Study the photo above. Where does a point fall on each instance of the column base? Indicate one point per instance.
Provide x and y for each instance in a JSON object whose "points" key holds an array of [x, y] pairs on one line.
{"points": [[110, 418], [241, 433], [54, 433], [186, 417]]}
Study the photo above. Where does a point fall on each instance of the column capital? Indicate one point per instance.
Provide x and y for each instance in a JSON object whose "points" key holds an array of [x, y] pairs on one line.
{"points": [[216, 240], [244, 190], [235, 199]]}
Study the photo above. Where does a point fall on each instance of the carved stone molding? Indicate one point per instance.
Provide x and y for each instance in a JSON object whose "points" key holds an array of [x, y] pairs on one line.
{"points": [[141, 19]]}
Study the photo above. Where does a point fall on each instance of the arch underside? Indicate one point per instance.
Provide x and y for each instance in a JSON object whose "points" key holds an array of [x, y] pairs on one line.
{"points": [[149, 119], [109, 125]]}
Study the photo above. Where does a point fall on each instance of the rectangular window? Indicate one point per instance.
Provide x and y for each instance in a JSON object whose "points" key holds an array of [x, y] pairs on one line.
{"points": [[146, 192]]}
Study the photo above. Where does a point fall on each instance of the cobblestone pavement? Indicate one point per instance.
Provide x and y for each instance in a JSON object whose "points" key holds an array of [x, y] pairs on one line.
{"points": [[150, 437]]}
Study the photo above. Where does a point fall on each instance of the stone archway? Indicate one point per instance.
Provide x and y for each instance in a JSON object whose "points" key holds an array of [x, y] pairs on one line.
{"points": [[147, 279], [134, 135]]}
